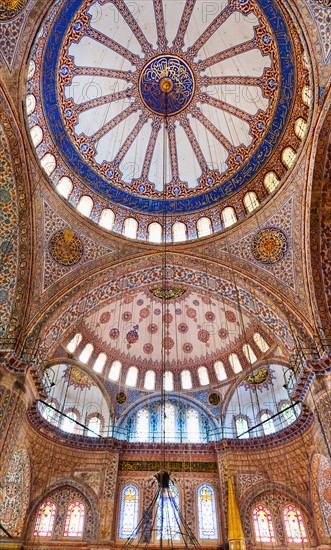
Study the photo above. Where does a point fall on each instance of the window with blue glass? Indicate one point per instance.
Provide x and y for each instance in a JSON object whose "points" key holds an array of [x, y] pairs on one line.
{"points": [[207, 513], [167, 515], [128, 511]]}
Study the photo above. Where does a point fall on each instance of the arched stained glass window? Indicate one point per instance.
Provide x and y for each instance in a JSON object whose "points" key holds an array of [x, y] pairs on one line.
{"points": [[48, 163], [235, 363], [68, 424], [271, 181], [207, 513], [169, 422], [288, 156], [85, 205], [131, 377], [294, 525], [74, 523], [107, 218], [45, 520], [130, 228], [268, 424], [229, 216], [128, 511], [251, 201], [86, 353], [155, 232], [260, 342], [142, 425], [288, 414], [178, 232], [94, 426], [167, 520], [186, 379], [249, 353], [64, 187], [74, 342], [149, 383], [300, 128], [203, 376], [193, 425], [264, 531], [168, 380], [242, 428], [220, 371], [204, 227], [100, 363], [115, 371]]}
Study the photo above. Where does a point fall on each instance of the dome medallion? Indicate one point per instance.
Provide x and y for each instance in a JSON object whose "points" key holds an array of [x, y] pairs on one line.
{"points": [[166, 85]]}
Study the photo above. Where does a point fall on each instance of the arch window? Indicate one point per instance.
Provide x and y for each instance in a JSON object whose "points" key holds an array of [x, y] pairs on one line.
{"points": [[271, 182], [128, 511], [167, 520], [260, 342], [94, 426], [229, 216], [169, 422], [294, 525], [288, 156], [204, 227], [263, 527], [203, 376], [268, 424], [31, 69], [74, 523], [193, 425], [64, 187], [86, 353], [48, 163], [85, 205], [115, 371], [30, 104], [242, 428], [220, 371], [130, 228], [49, 412], [207, 513], [142, 425], [178, 232], [68, 424], [131, 377], [155, 232], [288, 414], [249, 353], [74, 342], [36, 135], [168, 381], [186, 379], [300, 128], [251, 201], [235, 363], [149, 383], [307, 95], [100, 363], [45, 520], [107, 218]]}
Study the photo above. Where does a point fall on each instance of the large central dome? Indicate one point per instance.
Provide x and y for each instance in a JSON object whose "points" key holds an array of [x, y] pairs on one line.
{"points": [[158, 109]]}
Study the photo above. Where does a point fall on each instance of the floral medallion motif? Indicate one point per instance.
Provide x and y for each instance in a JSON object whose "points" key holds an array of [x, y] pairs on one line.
{"points": [[269, 245], [65, 247]]}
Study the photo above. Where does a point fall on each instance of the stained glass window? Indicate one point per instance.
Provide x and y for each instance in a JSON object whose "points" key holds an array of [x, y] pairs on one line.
{"points": [[260, 342], [129, 511], [242, 427], [167, 518], [288, 414], [169, 422], [207, 513], [264, 531], [45, 520], [294, 525], [193, 425], [74, 523], [268, 424], [142, 425]]}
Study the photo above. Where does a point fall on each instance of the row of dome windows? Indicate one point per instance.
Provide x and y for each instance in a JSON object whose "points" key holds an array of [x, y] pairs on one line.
{"points": [[179, 229], [150, 376]]}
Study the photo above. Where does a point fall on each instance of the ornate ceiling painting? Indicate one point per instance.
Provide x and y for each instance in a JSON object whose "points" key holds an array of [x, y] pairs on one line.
{"points": [[228, 83]]}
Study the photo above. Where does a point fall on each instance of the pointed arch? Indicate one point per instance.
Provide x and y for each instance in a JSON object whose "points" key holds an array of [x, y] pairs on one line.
{"points": [[44, 525], [207, 519], [129, 507], [74, 523]]}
